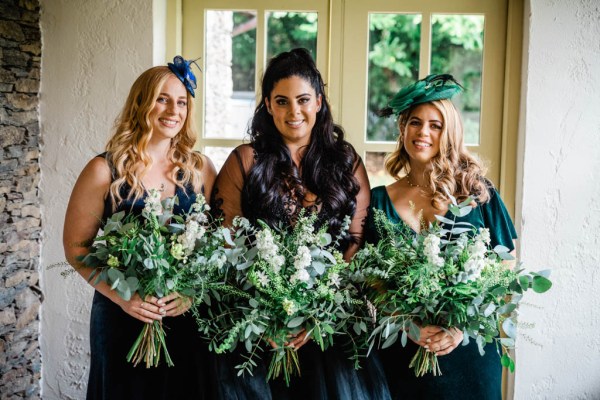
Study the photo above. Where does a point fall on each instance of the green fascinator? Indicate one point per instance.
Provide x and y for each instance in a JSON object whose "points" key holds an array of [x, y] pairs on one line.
{"points": [[433, 87]]}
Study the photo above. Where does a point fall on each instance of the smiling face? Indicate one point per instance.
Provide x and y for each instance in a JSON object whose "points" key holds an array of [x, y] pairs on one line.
{"points": [[422, 134], [294, 104], [170, 109]]}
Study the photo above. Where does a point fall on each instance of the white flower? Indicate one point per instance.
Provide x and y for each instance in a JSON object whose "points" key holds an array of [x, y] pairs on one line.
{"points": [[263, 279], [303, 258], [288, 306], [241, 222], [218, 260], [432, 250], [335, 280], [484, 235], [267, 250], [301, 275], [477, 249], [276, 262], [152, 204]]}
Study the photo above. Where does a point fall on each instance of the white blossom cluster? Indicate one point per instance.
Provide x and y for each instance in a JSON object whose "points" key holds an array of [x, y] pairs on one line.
{"points": [[477, 258], [289, 306], [432, 250], [302, 260], [152, 203], [268, 250], [193, 231]]}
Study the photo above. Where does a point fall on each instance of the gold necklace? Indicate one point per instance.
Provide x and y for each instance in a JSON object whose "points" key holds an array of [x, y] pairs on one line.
{"points": [[414, 184]]}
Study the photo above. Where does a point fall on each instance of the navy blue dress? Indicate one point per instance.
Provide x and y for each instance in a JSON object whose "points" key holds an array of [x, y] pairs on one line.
{"points": [[112, 332], [465, 374]]}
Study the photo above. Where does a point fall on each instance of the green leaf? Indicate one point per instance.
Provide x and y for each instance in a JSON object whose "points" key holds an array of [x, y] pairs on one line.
{"points": [[327, 328], [390, 340], [541, 284], [507, 308], [404, 338], [505, 360], [444, 220], [508, 342], [510, 328], [356, 327], [253, 303], [295, 322]]}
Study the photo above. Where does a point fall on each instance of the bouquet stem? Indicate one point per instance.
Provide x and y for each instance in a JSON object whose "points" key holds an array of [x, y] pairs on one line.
{"points": [[285, 361], [148, 346], [424, 362]]}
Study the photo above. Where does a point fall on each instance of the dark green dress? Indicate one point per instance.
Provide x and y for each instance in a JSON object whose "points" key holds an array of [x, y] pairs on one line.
{"points": [[465, 373]]}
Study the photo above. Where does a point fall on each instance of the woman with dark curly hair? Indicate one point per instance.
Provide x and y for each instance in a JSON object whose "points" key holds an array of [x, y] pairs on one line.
{"points": [[298, 160]]}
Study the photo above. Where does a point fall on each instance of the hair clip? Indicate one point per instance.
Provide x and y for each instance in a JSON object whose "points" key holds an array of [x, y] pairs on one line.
{"points": [[182, 70], [433, 87]]}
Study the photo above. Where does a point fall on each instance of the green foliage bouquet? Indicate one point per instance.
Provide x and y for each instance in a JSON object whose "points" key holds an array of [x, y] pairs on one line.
{"points": [[447, 276], [156, 253], [279, 282]]}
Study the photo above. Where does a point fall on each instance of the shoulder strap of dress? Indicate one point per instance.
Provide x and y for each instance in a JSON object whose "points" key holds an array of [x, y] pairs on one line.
{"points": [[113, 171]]}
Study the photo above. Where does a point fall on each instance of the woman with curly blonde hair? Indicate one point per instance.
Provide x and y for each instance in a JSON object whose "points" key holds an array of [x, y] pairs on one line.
{"points": [[152, 148], [430, 164]]}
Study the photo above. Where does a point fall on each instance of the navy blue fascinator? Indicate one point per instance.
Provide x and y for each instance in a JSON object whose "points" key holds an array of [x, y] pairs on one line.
{"points": [[182, 70], [433, 87]]}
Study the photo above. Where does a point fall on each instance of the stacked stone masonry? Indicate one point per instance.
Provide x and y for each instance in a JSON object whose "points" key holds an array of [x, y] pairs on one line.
{"points": [[20, 228]]}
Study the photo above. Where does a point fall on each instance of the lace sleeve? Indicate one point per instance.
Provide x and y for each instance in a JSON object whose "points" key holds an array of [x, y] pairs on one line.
{"points": [[227, 192], [363, 198]]}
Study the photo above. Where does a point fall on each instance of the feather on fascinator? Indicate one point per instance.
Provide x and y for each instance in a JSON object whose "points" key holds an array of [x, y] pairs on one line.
{"points": [[182, 70], [433, 87]]}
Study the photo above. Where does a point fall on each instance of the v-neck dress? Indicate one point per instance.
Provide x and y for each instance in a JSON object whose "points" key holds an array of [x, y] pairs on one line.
{"points": [[112, 332], [465, 373]]}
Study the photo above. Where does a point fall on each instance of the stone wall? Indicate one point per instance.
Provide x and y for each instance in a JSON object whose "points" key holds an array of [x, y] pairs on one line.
{"points": [[20, 228]]}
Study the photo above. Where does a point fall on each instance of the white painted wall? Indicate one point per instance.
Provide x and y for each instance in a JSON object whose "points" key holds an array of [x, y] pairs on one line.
{"points": [[561, 200], [92, 53]]}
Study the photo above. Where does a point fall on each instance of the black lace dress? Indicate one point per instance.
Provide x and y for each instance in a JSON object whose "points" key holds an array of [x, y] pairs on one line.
{"points": [[325, 375]]}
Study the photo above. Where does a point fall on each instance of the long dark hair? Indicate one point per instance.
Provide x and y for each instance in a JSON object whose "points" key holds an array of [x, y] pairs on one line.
{"points": [[327, 165]]}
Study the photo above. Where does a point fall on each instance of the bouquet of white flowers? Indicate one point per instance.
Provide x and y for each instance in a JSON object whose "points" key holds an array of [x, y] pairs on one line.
{"points": [[276, 283], [156, 253], [447, 276]]}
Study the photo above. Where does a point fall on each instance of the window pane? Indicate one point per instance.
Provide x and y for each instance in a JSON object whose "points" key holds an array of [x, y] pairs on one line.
{"points": [[394, 43], [288, 30], [230, 72], [218, 155], [374, 163], [457, 49]]}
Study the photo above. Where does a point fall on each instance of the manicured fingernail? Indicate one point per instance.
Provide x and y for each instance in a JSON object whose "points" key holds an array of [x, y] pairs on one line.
{"points": [[428, 341], [427, 347]]}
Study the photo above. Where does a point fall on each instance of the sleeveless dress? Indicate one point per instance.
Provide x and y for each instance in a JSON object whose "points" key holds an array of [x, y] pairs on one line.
{"points": [[112, 332], [465, 373], [325, 375]]}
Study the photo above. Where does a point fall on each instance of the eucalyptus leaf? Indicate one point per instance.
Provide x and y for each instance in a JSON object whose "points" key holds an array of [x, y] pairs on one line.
{"points": [[510, 328], [464, 211], [297, 321], [444, 219], [541, 284], [507, 308], [390, 340], [404, 338]]}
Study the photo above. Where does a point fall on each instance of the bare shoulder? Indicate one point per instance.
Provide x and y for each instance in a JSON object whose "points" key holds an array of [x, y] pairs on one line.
{"points": [[96, 172]]}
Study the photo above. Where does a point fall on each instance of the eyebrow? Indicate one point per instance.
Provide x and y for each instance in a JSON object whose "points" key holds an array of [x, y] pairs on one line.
{"points": [[280, 96], [430, 120], [168, 95]]}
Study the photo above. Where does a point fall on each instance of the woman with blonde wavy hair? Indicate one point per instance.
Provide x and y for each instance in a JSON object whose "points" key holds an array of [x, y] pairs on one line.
{"points": [[151, 148], [430, 163]]}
